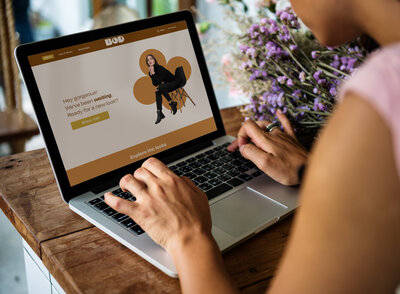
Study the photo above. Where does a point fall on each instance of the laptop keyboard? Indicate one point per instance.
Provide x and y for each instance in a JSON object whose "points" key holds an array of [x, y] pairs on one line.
{"points": [[215, 171]]}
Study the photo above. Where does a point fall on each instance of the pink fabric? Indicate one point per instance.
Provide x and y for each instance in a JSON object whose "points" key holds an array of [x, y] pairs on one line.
{"points": [[378, 81]]}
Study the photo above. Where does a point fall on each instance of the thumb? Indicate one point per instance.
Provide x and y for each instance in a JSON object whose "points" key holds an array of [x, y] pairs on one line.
{"points": [[287, 126], [259, 157], [121, 205]]}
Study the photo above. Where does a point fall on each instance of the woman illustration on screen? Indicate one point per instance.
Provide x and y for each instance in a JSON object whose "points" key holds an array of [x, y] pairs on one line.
{"points": [[165, 82]]}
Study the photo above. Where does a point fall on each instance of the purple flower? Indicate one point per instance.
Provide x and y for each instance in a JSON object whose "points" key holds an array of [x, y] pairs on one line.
{"points": [[302, 76], [315, 54], [290, 83], [243, 48], [282, 79], [317, 75], [318, 105], [251, 52], [293, 47], [335, 64], [264, 21], [283, 16], [303, 107], [332, 91], [297, 93]]}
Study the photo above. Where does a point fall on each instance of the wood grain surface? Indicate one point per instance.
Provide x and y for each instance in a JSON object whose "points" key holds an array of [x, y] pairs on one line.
{"points": [[83, 259]]}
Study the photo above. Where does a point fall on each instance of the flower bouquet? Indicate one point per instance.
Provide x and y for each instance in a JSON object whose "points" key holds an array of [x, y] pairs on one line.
{"points": [[276, 62]]}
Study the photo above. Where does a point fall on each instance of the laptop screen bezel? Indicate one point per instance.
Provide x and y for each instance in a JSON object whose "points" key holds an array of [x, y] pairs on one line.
{"points": [[23, 51]]}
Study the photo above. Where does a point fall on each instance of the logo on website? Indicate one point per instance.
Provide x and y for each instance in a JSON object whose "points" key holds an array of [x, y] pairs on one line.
{"points": [[114, 40]]}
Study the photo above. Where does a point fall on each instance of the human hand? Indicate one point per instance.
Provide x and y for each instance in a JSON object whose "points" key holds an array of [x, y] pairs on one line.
{"points": [[171, 209], [278, 154], [151, 69]]}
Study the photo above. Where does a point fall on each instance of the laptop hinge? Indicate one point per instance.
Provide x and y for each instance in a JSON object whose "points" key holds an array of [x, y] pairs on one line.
{"points": [[186, 151], [182, 153], [105, 185]]}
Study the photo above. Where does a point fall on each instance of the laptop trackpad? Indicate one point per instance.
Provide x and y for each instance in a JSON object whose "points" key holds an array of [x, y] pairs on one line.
{"points": [[244, 211]]}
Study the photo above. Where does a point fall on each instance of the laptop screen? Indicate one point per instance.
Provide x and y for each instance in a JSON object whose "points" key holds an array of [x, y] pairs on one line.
{"points": [[104, 97]]}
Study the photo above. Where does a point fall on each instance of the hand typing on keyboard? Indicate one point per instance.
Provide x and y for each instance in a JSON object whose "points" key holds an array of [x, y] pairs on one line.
{"points": [[171, 209], [278, 154]]}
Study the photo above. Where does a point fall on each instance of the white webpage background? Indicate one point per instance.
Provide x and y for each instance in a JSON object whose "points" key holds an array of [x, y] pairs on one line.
{"points": [[115, 70]]}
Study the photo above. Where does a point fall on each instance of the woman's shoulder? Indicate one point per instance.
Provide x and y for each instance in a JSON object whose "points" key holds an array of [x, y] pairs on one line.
{"points": [[379, 73], [378, 80]]}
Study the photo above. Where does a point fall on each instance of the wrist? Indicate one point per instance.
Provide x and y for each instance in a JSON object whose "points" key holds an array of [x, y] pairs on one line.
{"points": [[187, 244]]}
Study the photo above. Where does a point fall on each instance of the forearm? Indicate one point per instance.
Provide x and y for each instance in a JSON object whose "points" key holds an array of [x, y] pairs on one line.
{"points": [[201, 268]]}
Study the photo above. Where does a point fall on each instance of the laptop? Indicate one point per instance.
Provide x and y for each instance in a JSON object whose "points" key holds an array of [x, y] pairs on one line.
{"points": [[96, 106]]}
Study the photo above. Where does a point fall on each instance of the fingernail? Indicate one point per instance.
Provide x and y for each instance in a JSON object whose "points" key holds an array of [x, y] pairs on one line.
{"points": [[241, 148], [279, 111]]}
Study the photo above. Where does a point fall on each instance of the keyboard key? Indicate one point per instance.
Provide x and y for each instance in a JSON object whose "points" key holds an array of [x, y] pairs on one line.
{"points": [[191, 160], [237, 154], [102, 197], [242, 168], [101, 206], [235, 182], [213, 157], [94, 201], [185, 169], [210, 175], [209, 151], [190, 175], [119, 217], [201, 179], [180, 164], [115, 192], [218, 148], [132, 198], [138, 230], [224, 177], [204, 160], [205, 186], [219, 170], [233, 173], [194, 164], [178, 172], [226, 159], [220, 153], [250, 164], [214, 192], [128, 222], [217, 163], [125, 195], [173, 167], [237, 162], [201, 155], [214, 182], [109, 211], [226, 144], [245, 177], [228, 166], [208, 167], [199, 171], [257, 173]]}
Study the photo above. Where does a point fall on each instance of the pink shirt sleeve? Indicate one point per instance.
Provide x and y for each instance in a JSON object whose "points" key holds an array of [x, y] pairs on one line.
{"points": [[378, 82]]}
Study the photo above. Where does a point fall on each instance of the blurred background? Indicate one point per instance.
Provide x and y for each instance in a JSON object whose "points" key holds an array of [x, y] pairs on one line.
{"points": [[23, 21]]}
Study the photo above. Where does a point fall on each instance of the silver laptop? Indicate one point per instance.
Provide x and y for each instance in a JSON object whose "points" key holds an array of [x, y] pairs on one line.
{"points": [[97, 108]]}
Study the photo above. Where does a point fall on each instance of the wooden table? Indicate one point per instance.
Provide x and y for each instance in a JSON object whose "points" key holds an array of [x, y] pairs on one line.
{"points": [[83, 259]]}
